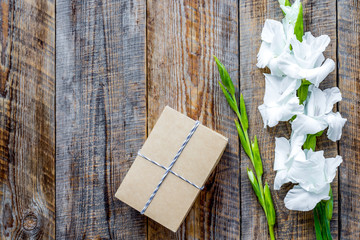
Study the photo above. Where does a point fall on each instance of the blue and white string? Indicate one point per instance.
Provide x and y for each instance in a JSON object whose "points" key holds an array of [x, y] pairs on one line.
{"points": [[168, 169]]}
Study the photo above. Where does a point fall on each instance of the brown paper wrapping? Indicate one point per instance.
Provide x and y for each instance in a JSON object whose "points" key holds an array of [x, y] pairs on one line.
{"points": [[175, 197]]}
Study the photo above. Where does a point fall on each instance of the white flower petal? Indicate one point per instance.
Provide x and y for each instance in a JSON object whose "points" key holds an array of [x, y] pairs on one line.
{"points": [[280, 179], [282, 151], [333, 95], [336, 124], [264, 56], [315, 105], [282, 2], [331, 165], [301, 200], [296, 142], [280, 85], [274, 113], [318, 44], [270, 115], [319, 60], [317, 75], [270, 30], [276, 41], [291, 12], [280, 101], [309, 173], [273, 65], [309, 53], [272, 86], [314, 75], [303, 125], [310, 50]]}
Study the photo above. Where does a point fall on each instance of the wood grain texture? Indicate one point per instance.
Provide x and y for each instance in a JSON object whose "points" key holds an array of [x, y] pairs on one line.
{"points": [[100, 117], [182, 36], [27, 131], [349, 83], [319, 18]]}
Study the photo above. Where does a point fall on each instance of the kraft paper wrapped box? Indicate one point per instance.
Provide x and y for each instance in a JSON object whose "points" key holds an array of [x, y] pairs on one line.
{"points": [[167, 198]]}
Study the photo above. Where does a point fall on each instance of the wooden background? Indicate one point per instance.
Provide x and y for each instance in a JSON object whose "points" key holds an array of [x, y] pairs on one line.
{"points": [[72, 122]]}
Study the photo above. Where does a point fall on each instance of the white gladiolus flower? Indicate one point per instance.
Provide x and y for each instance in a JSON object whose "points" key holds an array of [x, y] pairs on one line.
{"points": [[305, 61], [292, 58], [280, 100], [318, 114], [275, 41], [310, 170]]}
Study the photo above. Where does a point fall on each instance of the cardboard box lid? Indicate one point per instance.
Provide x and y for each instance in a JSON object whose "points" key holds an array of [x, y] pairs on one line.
{"points": [[175, 196]]}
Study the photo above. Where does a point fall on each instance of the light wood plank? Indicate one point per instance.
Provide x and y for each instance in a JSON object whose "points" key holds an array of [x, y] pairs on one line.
{"points": [[182, 36]]}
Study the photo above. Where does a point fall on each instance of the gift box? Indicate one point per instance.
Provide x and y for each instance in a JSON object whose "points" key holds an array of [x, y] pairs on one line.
{"points": [[171, 168]]}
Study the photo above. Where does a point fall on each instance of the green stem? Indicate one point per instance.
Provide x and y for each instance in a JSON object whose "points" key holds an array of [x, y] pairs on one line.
{"points": [[271, 231], [252, 160], [259, 178], [322, 224], [262, 193]]}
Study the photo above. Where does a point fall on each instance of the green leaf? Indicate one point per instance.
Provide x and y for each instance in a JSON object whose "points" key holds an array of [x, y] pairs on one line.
{"points": [[270, 211], [317, 224], [255, 185], [225, 77], [302, 91], [243, 140], [325, 224], [229, 99], [299, 25], [310, 142], [244, 118], [329, 205], [257, 158]]}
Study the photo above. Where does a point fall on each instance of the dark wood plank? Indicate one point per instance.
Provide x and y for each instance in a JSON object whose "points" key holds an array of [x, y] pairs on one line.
{"points": [[27, 131], [319, 18], [182, 36], [349, 83], [100, 117]]}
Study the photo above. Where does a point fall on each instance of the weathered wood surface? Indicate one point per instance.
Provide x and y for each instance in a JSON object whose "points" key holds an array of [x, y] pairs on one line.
{"points": [[27, 122], [118, 63], [100, 115], [349, 83], [319, 18], [182, 36]]}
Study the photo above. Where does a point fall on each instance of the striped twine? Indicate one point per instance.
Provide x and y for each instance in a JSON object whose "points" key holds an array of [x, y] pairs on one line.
{"points": [[168, 169], [174, 173]]}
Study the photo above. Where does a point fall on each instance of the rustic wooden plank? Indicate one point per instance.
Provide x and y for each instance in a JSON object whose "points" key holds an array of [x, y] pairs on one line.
{"points": [[182, 36], [27, 124], [319, 18], [100, 117], [349, 74]]}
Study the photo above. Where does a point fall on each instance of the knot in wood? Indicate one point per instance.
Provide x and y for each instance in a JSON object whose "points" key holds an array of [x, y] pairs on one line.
{"points": [[30, 221]]}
